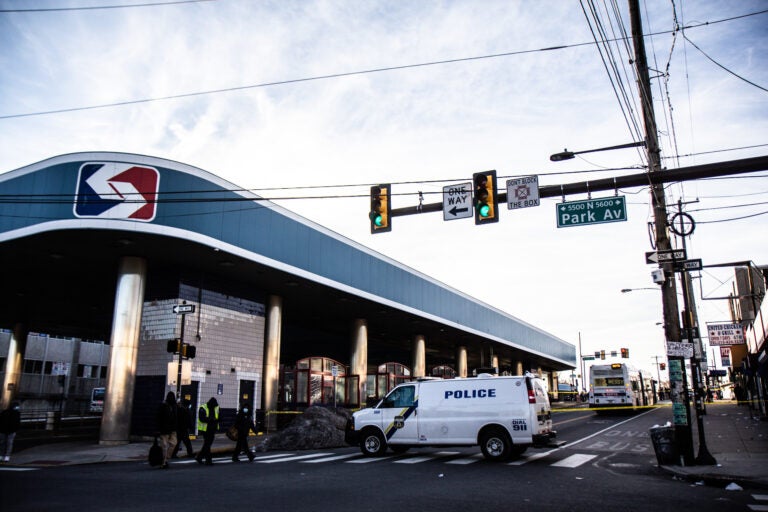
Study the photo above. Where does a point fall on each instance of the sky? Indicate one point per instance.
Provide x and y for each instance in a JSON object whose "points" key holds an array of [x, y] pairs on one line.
{"points": [[270, 94]]}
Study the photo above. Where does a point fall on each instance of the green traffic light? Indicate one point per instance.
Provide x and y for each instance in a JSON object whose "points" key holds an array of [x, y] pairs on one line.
{"points": [[377, 220], [484, 210]]}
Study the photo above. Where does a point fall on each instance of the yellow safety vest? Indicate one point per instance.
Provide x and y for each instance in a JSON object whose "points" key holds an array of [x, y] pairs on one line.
{"points": [[201, 426]]}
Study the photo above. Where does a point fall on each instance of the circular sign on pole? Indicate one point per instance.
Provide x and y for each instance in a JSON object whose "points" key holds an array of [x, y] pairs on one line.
{"points": [[686, 227]]}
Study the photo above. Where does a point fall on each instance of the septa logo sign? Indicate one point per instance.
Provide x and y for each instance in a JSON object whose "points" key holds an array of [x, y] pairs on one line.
{"points": [[117, 191]]}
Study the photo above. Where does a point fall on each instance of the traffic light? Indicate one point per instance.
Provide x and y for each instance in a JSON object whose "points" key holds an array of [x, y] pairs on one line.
{"points": [[625, 353], [174, 346], [380, 209], [485, 199], [188, 351], [602, 354]]}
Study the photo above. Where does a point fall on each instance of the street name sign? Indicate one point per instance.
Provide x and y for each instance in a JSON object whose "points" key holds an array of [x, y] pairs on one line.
{"points": [[523, 192], [182, 309], [683, 265], [591, 211], [664, 256], [457, 201]]}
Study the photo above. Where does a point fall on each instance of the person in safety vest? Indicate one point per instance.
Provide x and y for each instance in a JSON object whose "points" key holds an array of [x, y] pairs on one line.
{"points": [[207, 424]]}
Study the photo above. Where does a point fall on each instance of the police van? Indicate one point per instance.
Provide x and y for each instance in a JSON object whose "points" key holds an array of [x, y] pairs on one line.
{"points": [[503, 415]]}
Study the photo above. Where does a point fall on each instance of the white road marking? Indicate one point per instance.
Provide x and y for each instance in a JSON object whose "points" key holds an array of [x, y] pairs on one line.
{"points": [[331, 459], [574, 460], [289, 458]]}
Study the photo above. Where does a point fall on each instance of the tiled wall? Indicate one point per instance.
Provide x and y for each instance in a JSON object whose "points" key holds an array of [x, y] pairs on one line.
{"points": [[227, 331]]}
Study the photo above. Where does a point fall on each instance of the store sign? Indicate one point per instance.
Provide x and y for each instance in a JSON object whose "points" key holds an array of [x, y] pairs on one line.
{"points": [[725, 334], [725, 356]]}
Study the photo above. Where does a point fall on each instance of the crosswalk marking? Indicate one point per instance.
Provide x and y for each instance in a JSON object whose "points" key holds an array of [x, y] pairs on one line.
{"points": [[574, 460], [451, 457], [292, 458], [413, 460], [466, 460], [331, 459], [759, 508], [529, 458], [366, 460], [17, 469], [274, 456]]}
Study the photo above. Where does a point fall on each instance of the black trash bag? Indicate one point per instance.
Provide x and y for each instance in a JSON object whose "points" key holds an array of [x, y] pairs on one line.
{"points": [[155, 457]]}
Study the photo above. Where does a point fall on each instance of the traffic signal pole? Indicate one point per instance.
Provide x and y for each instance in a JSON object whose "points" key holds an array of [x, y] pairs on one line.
{"points": [[643, 179], [181, 353]]}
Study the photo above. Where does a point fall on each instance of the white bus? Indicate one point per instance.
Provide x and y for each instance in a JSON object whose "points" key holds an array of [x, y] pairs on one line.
{"points": [[618, 385]]}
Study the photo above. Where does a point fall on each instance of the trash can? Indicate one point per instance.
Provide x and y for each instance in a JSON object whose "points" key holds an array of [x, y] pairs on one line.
{"points": [[665, 446]]}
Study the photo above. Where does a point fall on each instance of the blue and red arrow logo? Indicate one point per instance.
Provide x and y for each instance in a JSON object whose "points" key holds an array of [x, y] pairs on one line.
{"points": [[117, 191]]}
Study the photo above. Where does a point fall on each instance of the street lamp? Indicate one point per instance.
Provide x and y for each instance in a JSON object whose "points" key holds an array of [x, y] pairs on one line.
{"points": [[627, 290], [568, 155]]}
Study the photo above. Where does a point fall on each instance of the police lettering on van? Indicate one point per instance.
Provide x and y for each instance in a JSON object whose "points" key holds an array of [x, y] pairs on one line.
{"points": [[503, 415], [474, 393]]}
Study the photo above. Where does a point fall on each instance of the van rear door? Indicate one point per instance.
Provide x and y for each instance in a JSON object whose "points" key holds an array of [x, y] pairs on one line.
{"points": [[542, 410]]}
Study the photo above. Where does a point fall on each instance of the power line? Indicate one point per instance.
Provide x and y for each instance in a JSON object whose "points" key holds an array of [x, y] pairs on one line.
{"points": [[102, 7], [723, 67], [339, 75], [716, 151]]}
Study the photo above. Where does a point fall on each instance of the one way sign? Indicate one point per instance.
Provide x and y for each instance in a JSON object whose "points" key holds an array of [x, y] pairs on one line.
{"points": [[664, 256], [457, 201]]}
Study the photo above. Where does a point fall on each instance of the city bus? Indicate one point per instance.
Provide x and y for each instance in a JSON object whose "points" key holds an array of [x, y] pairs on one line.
{"points": [[618, 385]]}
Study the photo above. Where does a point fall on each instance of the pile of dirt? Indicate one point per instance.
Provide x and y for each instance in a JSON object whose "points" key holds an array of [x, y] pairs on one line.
{"points": [[317, 427]]}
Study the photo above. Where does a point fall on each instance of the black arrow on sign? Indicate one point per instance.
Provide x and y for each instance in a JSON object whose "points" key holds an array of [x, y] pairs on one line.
{"points": [[453, 211]]}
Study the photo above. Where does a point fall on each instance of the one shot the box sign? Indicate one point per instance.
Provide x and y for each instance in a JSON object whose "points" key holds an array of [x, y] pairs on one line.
{"points": [[725, 334]]}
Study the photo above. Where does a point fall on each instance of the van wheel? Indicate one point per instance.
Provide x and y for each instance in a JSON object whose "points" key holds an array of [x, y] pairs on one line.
{"points": [[495, 445], [373, 443]]}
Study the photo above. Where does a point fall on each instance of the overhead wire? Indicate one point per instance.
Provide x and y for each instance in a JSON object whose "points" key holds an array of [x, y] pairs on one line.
{"points": [[723, 67], [335, 75], [103, 7]]}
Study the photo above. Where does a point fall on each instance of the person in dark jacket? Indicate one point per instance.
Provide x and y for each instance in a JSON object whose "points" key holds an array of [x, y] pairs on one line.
{"points": [[244, 424], [166, 426], [207, 425], [183, 427], [10, 421]]}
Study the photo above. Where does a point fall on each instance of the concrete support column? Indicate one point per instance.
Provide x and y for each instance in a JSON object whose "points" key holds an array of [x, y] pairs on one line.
{"points": [[555, 389], [272, 359], [126, 329], [461, 362], [358, 357], [419, 368], [16, 349], [519, 370]]}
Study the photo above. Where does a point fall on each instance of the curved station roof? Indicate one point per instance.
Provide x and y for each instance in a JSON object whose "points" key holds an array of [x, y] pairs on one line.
{"points": [[65, 222]]}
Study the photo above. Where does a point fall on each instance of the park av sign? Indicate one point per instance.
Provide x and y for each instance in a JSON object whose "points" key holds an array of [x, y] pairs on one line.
{"points": [[591, 211]]}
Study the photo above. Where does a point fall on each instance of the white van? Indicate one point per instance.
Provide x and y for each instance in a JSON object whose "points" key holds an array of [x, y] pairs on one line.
{"points": [[504, 415]]}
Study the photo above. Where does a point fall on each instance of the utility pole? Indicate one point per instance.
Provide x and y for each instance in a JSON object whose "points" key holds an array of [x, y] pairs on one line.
{"points": [[678, 385], [694, 337]]}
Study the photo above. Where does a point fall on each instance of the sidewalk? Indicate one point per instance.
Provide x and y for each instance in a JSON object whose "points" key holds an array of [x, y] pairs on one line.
{"points": [[737, 441], [90, 452]]}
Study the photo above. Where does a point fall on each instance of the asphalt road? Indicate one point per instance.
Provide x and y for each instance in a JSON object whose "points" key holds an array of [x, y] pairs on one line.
{"points": [[607, 463]]}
